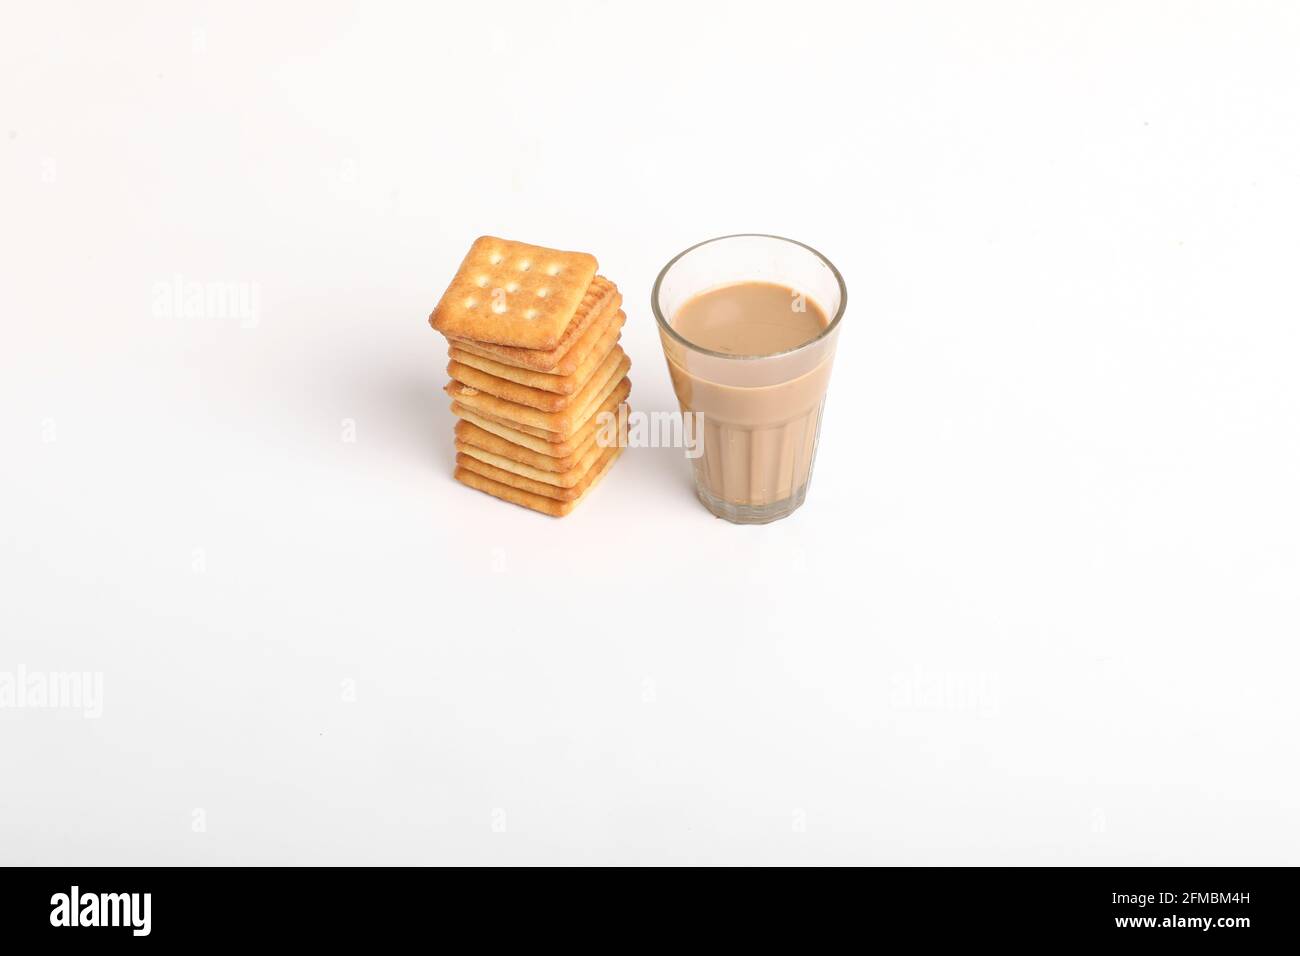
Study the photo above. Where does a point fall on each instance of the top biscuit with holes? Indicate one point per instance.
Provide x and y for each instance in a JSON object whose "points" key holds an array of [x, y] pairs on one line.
{"points": [[515, 294]]}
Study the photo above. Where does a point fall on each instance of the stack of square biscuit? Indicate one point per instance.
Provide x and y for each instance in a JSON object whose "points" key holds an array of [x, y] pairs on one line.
{"points": [[533, 335]]}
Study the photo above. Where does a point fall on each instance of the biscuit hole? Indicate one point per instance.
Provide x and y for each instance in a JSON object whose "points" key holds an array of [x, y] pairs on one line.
{"points": [[531, 314], [482, 282], [543, 293], [525, 266], [496, 259], [471, 303], [552, 270], [512, 286]]}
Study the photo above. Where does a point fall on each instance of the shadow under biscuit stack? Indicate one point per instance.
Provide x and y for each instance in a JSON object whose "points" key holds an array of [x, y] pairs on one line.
{"points": [[532, 335]]}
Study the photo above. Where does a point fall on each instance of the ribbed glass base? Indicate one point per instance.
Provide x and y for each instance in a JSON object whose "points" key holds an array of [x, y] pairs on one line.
{"points": [[752, 514]]}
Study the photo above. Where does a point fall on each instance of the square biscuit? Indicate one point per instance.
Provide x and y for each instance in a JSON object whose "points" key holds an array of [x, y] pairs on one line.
{"points": [[541, 479], [506, 389], [509, 429], [470, 434], [591, 351], [514, 294], [600, 304], [562, 423], [554, 484], [538, 440], [545, 504], [512, 391]]}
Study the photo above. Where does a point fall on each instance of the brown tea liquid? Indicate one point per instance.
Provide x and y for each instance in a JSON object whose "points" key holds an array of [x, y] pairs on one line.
{"points": [[759, 442]]}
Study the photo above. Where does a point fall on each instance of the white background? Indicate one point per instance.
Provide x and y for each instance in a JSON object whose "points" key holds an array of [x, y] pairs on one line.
{"points": [[1040, 607]]}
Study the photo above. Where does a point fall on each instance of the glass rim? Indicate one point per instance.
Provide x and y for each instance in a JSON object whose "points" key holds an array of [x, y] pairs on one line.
{"points": [[666, 327]]}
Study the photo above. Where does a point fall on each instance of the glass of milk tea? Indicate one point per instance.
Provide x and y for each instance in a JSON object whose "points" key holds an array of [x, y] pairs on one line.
{"points": [[749, 325]]}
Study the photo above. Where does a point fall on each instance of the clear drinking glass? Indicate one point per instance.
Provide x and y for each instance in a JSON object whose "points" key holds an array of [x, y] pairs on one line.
{"points": [[761, 413]]}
